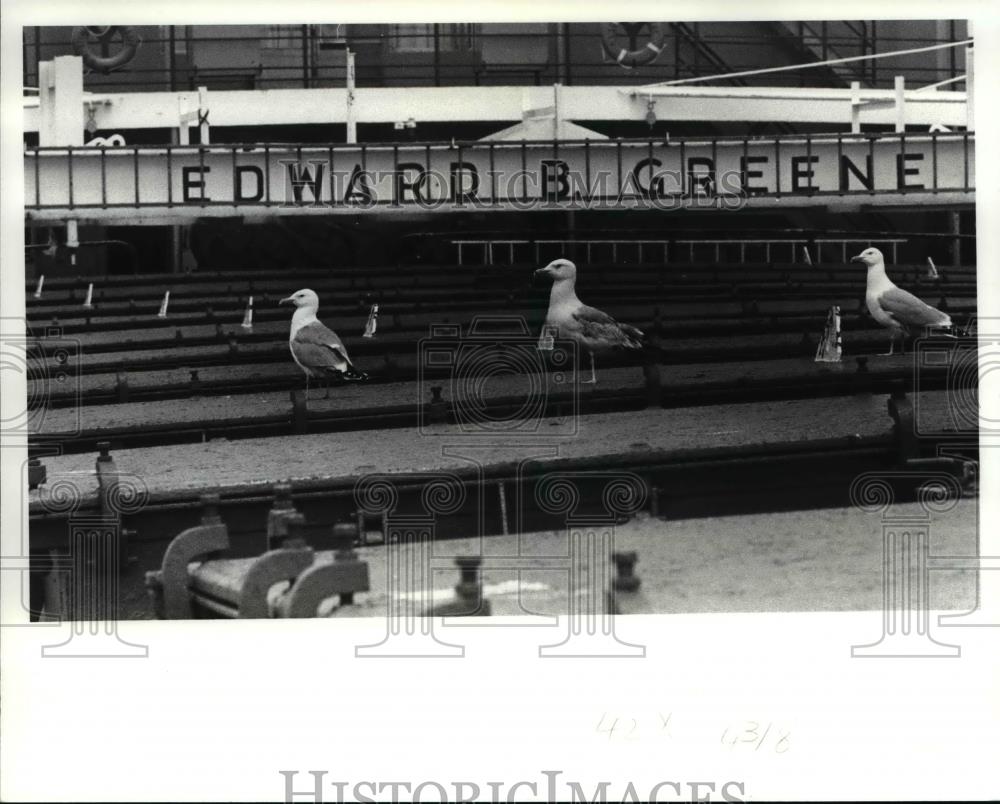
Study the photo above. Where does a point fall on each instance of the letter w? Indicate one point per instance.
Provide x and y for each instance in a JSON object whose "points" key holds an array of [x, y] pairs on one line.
{"points": [[299, 177]]}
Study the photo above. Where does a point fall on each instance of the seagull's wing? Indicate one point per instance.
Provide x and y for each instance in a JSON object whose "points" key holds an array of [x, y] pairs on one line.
{"points": [[911, 312], [596, 325], [318, 347]]}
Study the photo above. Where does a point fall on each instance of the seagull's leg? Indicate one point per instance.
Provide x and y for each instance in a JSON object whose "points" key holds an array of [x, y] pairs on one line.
{"points": [[327, 383], [892, 344], [307, 386], [593, 376]]}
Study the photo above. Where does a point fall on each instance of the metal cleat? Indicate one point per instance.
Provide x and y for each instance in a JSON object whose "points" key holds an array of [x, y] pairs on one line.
{"points": [[36, 473], [624, 596], [625, 577], [437, 408], [121, 386], [368, 534], [469, 600]]}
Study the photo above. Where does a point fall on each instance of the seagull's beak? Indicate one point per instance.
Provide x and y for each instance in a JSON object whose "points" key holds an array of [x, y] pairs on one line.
{"points": [[286, 301], [541, 272], [857, 258]]}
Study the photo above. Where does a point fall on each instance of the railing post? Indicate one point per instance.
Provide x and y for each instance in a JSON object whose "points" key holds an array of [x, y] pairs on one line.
{"points": [[900, 87], [855, 107]]}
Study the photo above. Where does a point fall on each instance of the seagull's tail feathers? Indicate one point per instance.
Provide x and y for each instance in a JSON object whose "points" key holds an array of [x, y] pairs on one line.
{"points": [[945, 327], [348, 373], [633, 337], [354, 375]]}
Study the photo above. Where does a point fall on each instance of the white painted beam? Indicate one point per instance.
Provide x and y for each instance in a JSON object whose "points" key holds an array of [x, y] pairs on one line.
{"points": [[505, 105]]}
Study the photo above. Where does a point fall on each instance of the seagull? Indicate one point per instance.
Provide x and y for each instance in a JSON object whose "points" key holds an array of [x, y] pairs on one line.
{"points": [[570, 318], [315, 347], [897, 310]]}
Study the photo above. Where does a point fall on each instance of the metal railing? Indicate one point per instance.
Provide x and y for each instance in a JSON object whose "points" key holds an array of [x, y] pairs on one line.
{"points": [[795, 246], [488, 250], [303, 56], [521, 175]]}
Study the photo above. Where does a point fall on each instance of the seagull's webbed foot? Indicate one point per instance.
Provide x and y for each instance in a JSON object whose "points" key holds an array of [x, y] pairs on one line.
{"points": [[892, 348]]}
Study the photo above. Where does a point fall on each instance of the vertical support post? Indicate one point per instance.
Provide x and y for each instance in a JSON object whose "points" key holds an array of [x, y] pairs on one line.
{"points": [[60, 100], [956, 241], [176, 230], [172, 57], [72, 238], [437, 54], [203, 132], [183, 123], [855, 107], [899, 84], [305, 57], [352, 126], [567, 78], [970, 90]]}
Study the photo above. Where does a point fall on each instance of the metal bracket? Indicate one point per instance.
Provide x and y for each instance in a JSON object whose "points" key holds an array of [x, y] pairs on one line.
{"points": [[282, 511], [271, 568], [169, 585], [901, 410], [322, 581]]}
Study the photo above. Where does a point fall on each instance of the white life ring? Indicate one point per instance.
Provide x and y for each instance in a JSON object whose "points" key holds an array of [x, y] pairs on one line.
{"points": [[629, 59], [114, 141]]}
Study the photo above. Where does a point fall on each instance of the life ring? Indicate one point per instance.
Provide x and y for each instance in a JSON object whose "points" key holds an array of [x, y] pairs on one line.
{"points": [[81, 45], [630, 59], [114, 141]]}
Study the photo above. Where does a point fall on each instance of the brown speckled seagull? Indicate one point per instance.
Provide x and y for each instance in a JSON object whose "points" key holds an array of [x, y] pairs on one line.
{"points": [[897, 310], [315, 347], [568, 317]]}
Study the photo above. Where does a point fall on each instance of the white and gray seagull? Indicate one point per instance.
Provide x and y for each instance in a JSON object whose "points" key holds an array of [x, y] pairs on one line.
{"points": [[316, 348], [568, 317], [896, 309]]}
